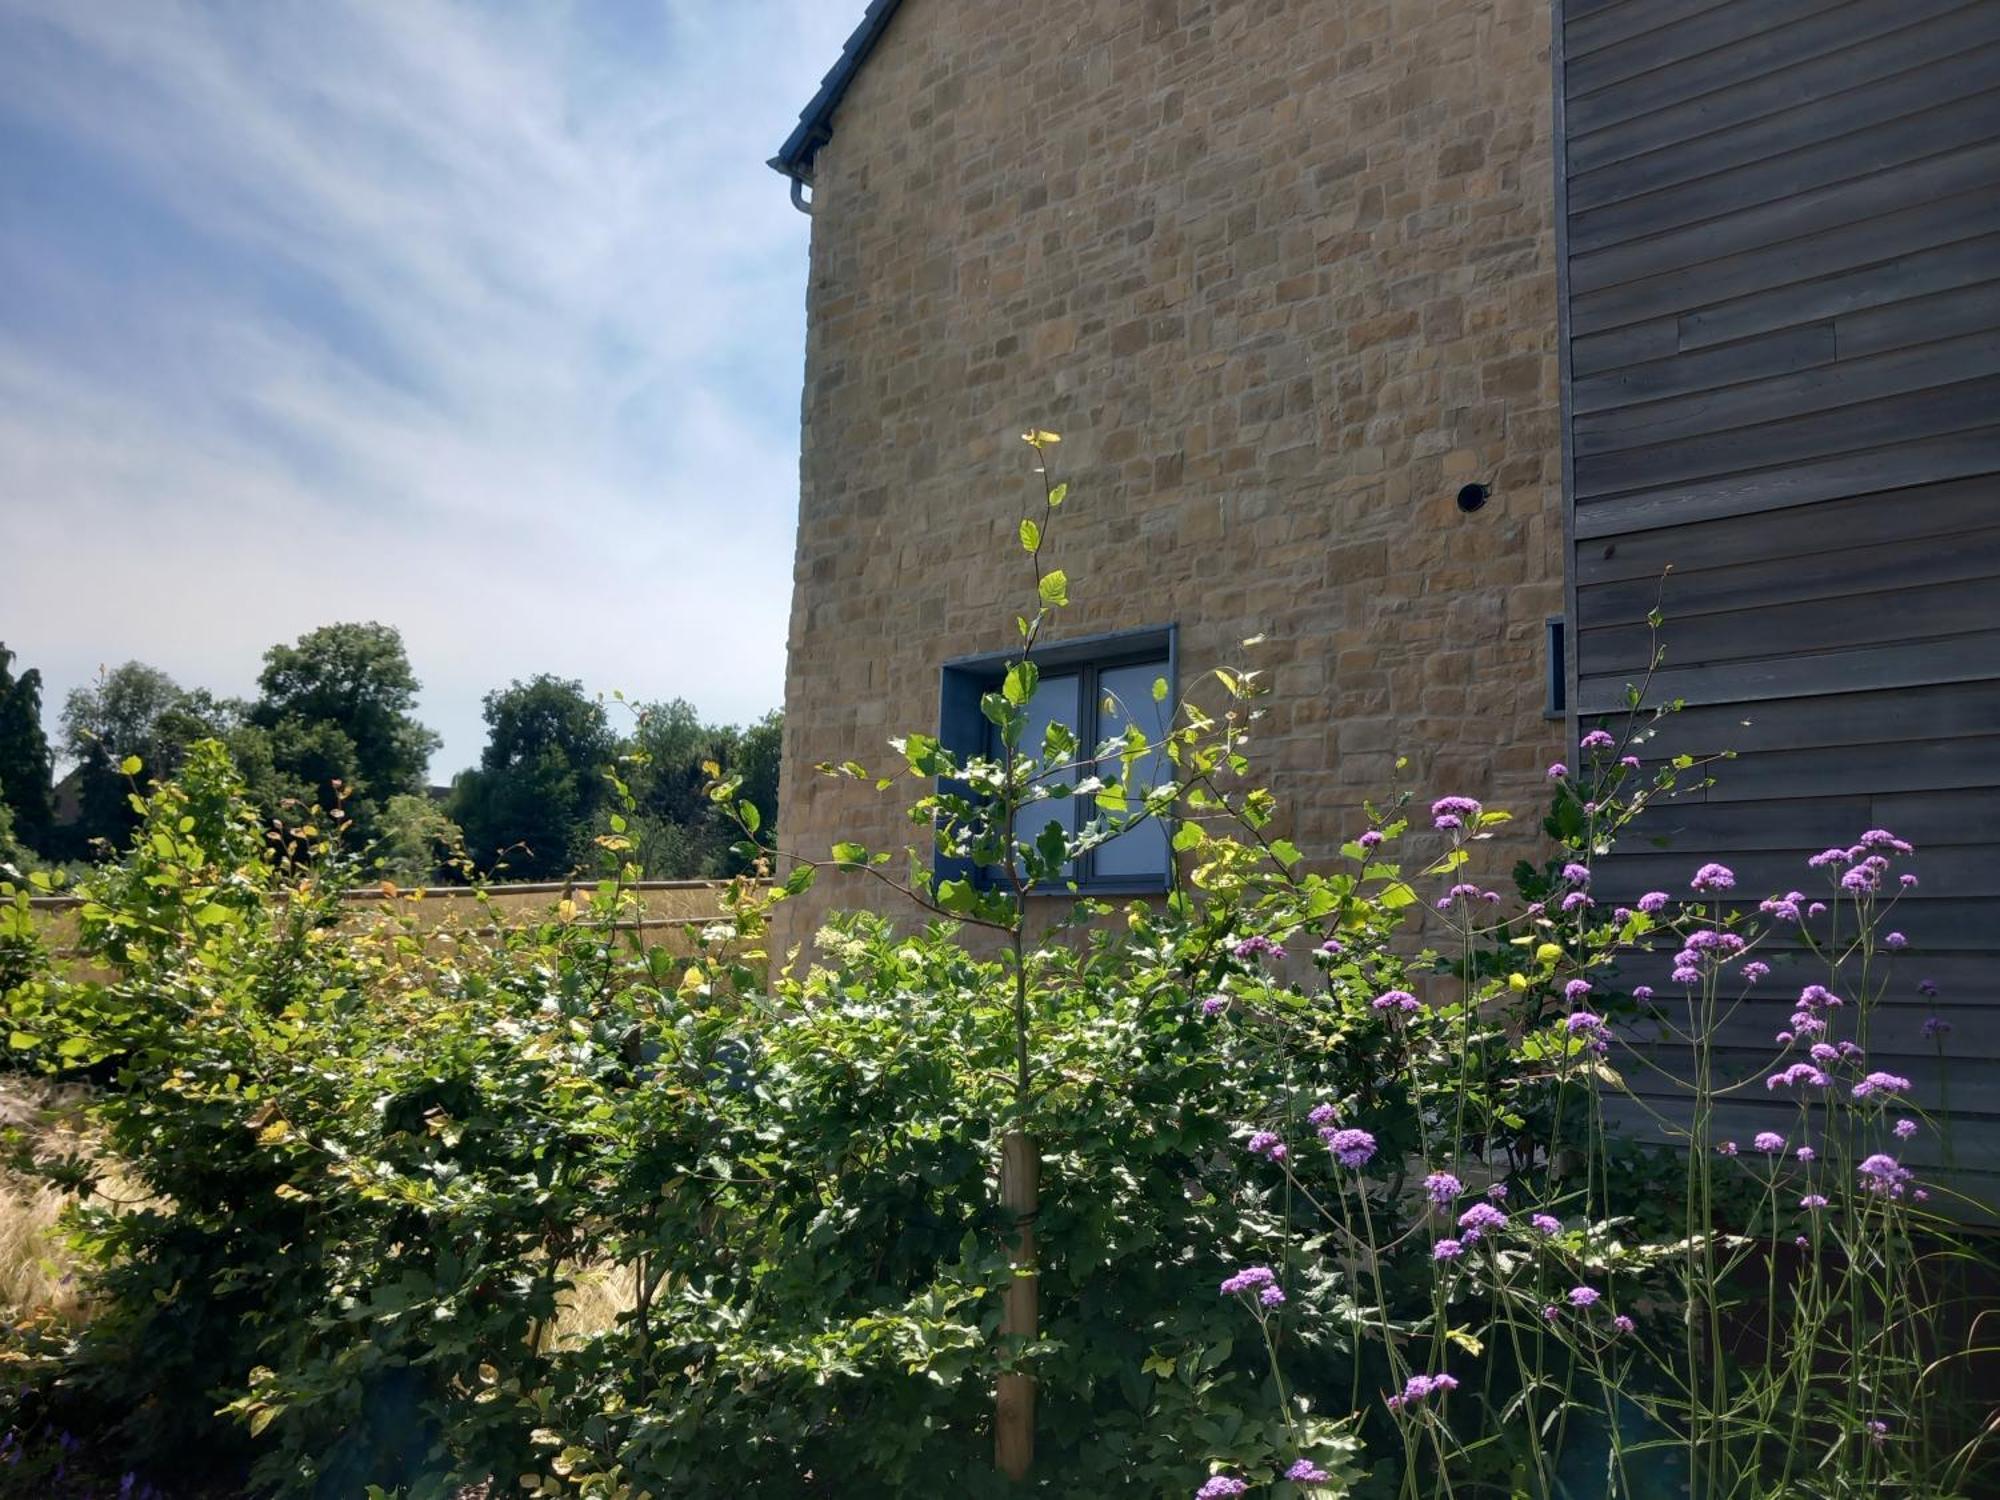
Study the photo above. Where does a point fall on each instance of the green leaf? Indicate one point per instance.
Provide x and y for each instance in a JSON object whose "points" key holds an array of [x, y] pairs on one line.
{"points": [[800, 880], [1057, 495], [1031, 536], [1285, 852], [849, 855], [752, 819], [1159, 690], [1022, 680], [22, 1041], [1055, 588]]}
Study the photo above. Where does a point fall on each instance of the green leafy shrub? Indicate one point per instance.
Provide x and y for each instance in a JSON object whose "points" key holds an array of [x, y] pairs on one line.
{"points": [[376, 1165]]}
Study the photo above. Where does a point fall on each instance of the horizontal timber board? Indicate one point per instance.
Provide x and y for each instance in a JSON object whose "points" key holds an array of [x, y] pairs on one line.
{"points": [[1940, 315], [1756, 401], [1921, 127], [1947, 818], [1950, 34], [1838, 476], [1857, 222], [1869, 520], [1966, 658], [1680, 373], [1952, 872], [1940, 411], [1623, 83], [1887, 286], [1942, 711], [1896, 612], [1782, 576]]}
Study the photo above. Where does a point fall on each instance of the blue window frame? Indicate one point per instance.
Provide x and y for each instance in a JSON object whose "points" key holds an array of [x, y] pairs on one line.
{"points": [[1096, 685]]}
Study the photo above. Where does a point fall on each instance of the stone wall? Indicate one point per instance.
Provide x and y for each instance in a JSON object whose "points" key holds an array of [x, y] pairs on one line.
{"points": [[1282, 273]]}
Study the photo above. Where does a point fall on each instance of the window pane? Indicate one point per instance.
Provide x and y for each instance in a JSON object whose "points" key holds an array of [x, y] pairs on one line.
{"points": [[1128, 698], [1056, 700]]}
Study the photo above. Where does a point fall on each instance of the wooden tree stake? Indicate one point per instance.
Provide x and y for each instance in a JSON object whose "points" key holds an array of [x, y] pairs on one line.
{"points": [[1014, 1400]]}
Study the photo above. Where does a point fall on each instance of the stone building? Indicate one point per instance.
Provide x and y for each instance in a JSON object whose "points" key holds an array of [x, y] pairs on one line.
{"points": [[1420, 337]]}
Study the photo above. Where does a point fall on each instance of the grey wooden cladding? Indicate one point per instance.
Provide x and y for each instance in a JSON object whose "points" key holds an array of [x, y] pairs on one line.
{"points": [[1780, 271]]}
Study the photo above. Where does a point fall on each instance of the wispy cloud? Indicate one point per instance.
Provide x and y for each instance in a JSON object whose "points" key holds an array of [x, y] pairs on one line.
{"points": [[483, 321]]}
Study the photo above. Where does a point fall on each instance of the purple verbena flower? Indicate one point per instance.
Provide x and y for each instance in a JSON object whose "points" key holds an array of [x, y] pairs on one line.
{"points": [[1267, 1143], [1769, 1142], [1880, 1083], [1305, 1471], [1895, 940], [1447, 1250], [1583, 1296], [1442, 1188], [1642, 992], [1813, 1200], [1272, 1296], [1936, 1026], [1351, 1148], [1250, 1279], [1558, 771], [1449, 813], [1806, 1154], [1798, 1073], [1726, 1148], [1575, 990], [1597, 740], [1653, 902], [1371, 839], [1258, 946], [1546, 1223], [1480, 1218], [1713, 877], [1396, 1000], [1575, 901], [1576, 874], [1222, 1487], [1320, 1114], [1215, 1005], [1754, 971], [1884, 1175], [1905, 1128]]}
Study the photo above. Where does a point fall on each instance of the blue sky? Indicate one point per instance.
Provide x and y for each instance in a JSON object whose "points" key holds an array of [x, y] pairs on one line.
{"points": [[486, 321]]}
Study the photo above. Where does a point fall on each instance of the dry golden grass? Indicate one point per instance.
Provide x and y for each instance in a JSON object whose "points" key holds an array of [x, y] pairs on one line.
{"points": [[37, 1269]]}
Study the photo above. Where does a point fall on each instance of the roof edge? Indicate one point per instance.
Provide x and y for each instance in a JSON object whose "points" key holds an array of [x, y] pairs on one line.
{"points": [[815, 127]]}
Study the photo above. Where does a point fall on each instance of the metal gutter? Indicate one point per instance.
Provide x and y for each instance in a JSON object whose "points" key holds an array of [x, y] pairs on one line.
{"points": [[815, 127]]}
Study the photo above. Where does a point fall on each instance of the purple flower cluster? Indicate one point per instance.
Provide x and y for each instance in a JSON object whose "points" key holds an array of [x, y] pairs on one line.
{"points": [[1351, 1148], [1417, 1387], [1450, 814], [1215, 1005], [1267, 1144], [1546, 1223], [1797, 1073], [1905, 1128], [1305, 1471], [1653, 903], [1708, 947], [1481, 1218], [1596, 742], [1465, 893], [1222, 1487], [1250, 1279], [1583, 1296], [1881, 1083], [1769, 1142], [1576, 874], [1442, 1188], [1447, 1250], [1813, 1200], [1258, 946], [1884, 1175], [1396, 1000], [1711, 878], [1785, 908], [1331, 948], [1557, 771]]}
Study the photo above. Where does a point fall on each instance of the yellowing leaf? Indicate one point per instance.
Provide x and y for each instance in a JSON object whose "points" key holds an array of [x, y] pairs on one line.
{"points": [[130, 765]]}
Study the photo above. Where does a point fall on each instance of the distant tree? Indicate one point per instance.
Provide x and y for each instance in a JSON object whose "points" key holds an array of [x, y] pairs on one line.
{"points": [[25, 762], [356, 680], [118, 717], [679, 834], [419, 843], [535, 794]]}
